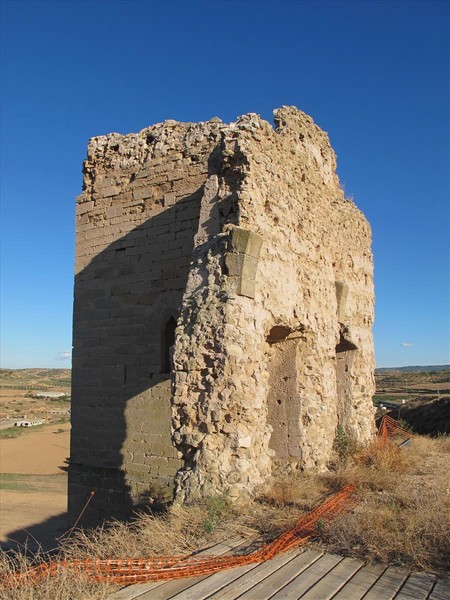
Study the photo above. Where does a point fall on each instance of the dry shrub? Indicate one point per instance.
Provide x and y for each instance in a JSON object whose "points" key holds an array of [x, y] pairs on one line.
{"points": [[403, 515], [407, 527], [300, 490], [439, 444], [282, 503], [375, 467], [385, 458], [442, 442], [181, 530], [174, 532]]}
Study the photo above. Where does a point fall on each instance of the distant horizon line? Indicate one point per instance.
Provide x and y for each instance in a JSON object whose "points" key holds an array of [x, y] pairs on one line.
{"points": [[376, 368]]}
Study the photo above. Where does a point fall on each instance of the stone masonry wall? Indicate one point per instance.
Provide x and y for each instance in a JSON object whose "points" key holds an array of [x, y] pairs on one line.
{"points": [[287, 357], [242, 236], [136, 221]]}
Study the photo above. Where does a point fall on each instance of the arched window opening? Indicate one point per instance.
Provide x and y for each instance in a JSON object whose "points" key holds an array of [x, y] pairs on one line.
{"points": [[278, 333], [345, 345], [167, 342]]}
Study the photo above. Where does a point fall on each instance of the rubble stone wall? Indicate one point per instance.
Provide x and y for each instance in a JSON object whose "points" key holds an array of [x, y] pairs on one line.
{"points": [[242, 234], [287, 364]]}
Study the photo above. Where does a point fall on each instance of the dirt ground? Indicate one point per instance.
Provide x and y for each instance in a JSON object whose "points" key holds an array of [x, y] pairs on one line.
{"points": [[41, 453], [33, 486]]}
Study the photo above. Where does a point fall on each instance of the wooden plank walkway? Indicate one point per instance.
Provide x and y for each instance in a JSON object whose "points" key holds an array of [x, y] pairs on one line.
{"points": [[299, 574]]}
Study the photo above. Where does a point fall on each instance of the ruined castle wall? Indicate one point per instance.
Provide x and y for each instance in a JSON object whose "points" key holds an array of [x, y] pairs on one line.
{"points": [[136, 222], [234, 246], [320, 242], [355, 362], [276, 392]]}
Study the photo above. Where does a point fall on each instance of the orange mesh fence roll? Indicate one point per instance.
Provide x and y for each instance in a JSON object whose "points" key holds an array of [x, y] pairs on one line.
{"points": [[128, 571]]}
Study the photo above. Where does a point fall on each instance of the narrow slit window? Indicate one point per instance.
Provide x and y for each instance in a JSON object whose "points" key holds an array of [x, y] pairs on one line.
{"points": [[167, 342]]}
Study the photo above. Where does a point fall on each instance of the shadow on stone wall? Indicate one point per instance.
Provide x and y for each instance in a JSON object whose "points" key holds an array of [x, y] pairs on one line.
{"points": [[121, 445]]}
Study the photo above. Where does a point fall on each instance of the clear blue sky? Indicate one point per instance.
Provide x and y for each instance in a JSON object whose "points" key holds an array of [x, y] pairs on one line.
{"points": [[373, 74]]}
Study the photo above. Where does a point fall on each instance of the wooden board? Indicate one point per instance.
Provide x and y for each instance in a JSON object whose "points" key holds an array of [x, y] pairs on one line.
{"points": [[334, 580], [361, 582], [211, 584], [299, 574], [269, 586], [387, 585], [416, 587], [303, 581], [256, 575], [441, 590]]}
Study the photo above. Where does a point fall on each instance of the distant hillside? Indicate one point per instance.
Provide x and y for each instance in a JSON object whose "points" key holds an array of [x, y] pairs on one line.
{"points": [[427, 418], [35, 378], [417, 369]]}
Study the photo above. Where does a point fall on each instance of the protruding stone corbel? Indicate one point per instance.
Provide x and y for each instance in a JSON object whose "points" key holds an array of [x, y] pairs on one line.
{"points": [[241, 260]]}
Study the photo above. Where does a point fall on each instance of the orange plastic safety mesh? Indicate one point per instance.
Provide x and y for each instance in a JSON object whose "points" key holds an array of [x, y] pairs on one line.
{"points": [[127, 571], [389, 428]]}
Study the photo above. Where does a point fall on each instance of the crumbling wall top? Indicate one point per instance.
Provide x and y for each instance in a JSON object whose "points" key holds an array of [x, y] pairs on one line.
{"points": [[293, 128]]}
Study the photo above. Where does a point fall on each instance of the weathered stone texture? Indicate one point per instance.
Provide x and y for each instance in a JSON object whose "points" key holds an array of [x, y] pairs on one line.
{"points": [[241, 234], [136, 221]]}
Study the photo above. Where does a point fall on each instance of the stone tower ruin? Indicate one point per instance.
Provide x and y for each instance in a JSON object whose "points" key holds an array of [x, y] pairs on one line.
{"points": [[223, 312]]}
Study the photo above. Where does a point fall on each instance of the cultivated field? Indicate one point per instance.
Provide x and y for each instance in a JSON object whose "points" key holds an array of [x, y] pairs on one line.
{"points": [[33, 486], [33, 461]]}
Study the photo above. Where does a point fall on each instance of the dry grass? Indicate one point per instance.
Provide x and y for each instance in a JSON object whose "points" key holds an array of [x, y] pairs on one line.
{"points": [[402, 518], [63, 586], [183, 530], [440, 443], [403, 514]]}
